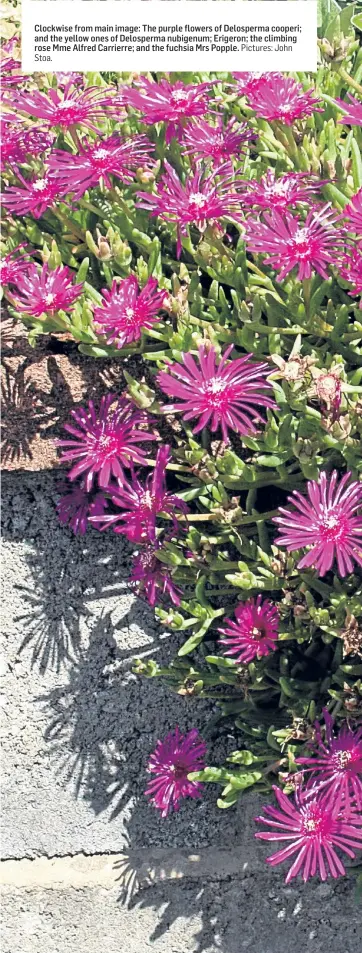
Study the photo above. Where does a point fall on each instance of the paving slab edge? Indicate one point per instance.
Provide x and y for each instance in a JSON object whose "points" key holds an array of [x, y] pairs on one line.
{"points": [[150, 866]]}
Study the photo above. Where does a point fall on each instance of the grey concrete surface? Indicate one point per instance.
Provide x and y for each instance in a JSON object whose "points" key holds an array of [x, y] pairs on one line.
{"points": [[77, 729], [78, 725], [183, 917]]}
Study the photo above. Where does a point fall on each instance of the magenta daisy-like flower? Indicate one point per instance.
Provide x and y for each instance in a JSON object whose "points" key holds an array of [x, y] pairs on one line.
{"points": [[11, 269], [272, 192], [350, 268], [287, 243], [77, 506], [314, 831], [65, 110], [203, 200], [18, 142], [221, 393], [126, 310], [98, 160], [352, 110], [327, 522], [173, 759], [218, 143], [353, 214], [46, 291], [36, 196], [103, 443], [336, 766], [140, 504], [151, 579], [282, 98], [166, 102], [251, 82], [254, 633]]}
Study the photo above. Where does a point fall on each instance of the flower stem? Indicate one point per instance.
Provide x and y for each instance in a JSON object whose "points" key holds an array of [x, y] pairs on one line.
{"points": [[92, 208], [307, 295], [171, 466], [206, 439], [245, 521], [315, 584], [68, 223], [349, 79], [76, 139]]}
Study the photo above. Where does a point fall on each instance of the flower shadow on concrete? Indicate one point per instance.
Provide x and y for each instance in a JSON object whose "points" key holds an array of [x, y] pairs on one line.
{"points": [[68, 578], [102, 727], [96, 722], [26, 411], [40, 385], [246, 910], [58, 606]]}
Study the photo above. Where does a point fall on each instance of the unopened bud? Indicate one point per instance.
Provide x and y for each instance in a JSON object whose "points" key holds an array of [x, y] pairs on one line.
{"points": [[145, 176], [337, 51], [331, 168], [104, 251], [304, 450], [121, 251], [326, 48]]}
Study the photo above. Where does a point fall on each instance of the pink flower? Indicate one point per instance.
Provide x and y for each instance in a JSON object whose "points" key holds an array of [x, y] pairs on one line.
{"points": [[77, 506], [173, 759], [35, 197], [104, 443], [18, 142], [219, 142], [255, 631], [286, 242], [203, 200], [126, 310], [337, 767], [98, 160], [220, 393], [353, 213], [66, 110], [352, 111], [326, 523], [282, 98], [46, 291], [278, 193], [151, 579], [314, 831], [12, 268], [141, 504], [249, 83], [350, 268], [171, 103]]}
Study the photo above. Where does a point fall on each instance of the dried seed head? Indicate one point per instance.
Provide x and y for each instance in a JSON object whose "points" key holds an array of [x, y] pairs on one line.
{"points": [[352, 636]]}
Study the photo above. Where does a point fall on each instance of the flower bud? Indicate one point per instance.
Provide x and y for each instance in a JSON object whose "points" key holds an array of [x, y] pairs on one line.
{"points": [[145, 176], [337, 51], [121, 252]]}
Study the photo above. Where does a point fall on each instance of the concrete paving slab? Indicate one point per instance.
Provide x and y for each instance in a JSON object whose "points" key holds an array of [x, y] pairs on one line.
{"points": [[78, 725], [181, 916]]}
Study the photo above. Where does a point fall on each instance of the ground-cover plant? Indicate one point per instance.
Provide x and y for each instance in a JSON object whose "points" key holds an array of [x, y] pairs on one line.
{"points": [[206, 232]]}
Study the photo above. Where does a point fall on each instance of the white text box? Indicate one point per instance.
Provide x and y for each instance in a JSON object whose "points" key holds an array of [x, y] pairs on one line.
{"points": [[184, 36]]}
